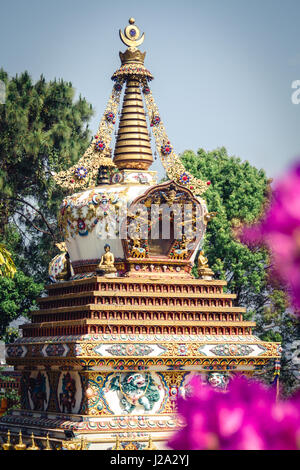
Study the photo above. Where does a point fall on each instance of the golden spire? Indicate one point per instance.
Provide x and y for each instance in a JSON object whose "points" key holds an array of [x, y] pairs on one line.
{"points": [[83, 443], [33, 445], [7, 445], [150, 445], [117, 444], [20, 445], [133, 149], [48, 447]]}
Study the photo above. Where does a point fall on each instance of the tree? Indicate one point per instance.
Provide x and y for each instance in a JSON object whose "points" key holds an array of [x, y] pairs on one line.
{"points": [[239, 193], [11, 396], [18, 292], [42, 130], [17, 297]]}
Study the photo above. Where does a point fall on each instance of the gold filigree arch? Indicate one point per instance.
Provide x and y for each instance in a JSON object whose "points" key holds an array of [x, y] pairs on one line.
{"points": [[145, 218]]}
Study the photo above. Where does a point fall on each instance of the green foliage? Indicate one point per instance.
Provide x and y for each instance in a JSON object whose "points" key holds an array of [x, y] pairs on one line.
{"points": [[12, 396], [239, 193], [11, 334], [42, 130], [17, 297], [17, 294]]}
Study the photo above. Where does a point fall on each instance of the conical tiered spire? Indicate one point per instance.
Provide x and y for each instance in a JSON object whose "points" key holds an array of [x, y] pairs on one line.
{"points": [[133, 149]]}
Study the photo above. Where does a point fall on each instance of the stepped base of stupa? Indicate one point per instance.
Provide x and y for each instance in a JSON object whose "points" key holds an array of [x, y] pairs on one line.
{"points": [[131, 432], [105, 360]]}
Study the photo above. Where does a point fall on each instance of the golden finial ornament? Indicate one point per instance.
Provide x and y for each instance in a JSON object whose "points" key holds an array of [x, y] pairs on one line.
{"points": [[208, 216], [33, 444], [83, 443], [7, 445], [133, 148], [150, 445], [131, 36], [20, 445], [48, 446], [117, 444]]}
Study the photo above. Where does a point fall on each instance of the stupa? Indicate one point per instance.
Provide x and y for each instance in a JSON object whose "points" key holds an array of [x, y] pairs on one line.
{"points": [[125, 325]]}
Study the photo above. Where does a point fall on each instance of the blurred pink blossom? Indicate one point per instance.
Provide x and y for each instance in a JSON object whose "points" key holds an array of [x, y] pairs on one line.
{"points": [[246, 417], [279, 230]]}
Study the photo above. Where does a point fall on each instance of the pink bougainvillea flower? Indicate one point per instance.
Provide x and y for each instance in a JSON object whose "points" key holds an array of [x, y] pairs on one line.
{"points": [[246, 417], [279, 230]]}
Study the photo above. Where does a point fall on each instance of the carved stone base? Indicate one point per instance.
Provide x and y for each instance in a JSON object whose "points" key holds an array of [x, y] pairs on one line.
{"points": [[131, 408], [106, 272], [206, 273]]}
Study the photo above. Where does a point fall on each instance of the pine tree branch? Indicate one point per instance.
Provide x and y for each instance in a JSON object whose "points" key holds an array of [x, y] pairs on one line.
{"points": [[35, 226], [22, 231], [23, 201]]}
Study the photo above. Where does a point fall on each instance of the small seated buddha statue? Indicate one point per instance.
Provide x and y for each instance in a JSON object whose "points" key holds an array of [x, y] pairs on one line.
{"points": [[106, 265], [66, 272], [60, 267], [204, 271], [202, 260]]}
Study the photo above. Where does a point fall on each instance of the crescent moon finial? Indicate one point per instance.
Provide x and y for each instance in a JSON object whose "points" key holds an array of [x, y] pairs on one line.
{"points": [[132, 35]]}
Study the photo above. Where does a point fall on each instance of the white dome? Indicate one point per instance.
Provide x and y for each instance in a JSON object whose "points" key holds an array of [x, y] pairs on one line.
{"points": [[92, 218]]}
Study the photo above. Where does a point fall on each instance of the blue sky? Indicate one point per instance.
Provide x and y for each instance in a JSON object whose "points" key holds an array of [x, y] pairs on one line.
{"points": [[223, 68]]}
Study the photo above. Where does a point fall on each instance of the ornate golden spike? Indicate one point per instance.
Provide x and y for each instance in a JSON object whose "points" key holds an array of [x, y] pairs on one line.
{"points": [[131, 36], [7, 445], [33, 444], [83, 443], [48, 446], [117, 445], [150, 445], [20, 445]]}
